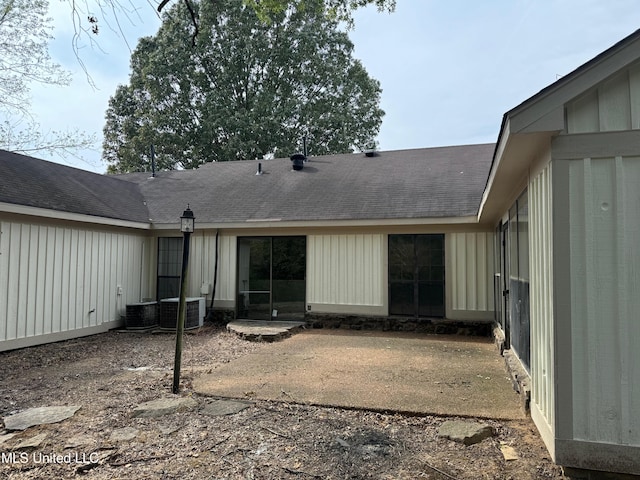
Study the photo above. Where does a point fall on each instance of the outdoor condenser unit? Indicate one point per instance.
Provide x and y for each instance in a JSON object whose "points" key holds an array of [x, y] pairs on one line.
{"points": [[194, 316]]}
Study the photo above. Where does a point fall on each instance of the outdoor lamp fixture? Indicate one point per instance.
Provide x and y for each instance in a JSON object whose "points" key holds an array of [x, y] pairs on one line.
{"points": [[187, 224], [187, 221]]}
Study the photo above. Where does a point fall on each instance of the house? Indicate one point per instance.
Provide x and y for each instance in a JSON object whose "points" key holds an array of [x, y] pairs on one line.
{"points": [[537, 232]]}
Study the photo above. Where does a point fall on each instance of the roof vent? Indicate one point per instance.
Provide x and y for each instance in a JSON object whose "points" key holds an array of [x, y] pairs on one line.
{"points": [[370, 153], [298, 160], [259, 172]]}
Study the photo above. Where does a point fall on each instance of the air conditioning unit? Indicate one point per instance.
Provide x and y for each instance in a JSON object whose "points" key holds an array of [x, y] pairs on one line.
{"points": [[194, 317], [141, 315]]}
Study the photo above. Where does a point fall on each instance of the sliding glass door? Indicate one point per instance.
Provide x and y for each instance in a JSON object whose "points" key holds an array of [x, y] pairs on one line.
{"points": [[416, 275], [271, 278]]}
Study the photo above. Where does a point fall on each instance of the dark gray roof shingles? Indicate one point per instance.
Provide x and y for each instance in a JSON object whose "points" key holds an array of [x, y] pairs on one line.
{"points": [[419, 183], [404, 184], [32, 182]]}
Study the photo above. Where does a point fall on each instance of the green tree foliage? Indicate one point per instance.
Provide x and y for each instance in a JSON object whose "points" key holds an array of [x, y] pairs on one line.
{"points": [[339, 9], [246, 89], [89, 16]]}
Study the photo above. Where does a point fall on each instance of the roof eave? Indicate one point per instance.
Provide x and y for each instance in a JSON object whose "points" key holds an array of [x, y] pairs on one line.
{"points": [[275, 223], [16, 209]]}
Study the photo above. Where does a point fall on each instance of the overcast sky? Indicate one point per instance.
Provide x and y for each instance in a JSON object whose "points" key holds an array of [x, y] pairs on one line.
{"points": [[449, 69]]}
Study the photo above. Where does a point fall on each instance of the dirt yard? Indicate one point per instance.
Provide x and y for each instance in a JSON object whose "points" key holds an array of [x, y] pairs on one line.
{"points": [[110, 374]]}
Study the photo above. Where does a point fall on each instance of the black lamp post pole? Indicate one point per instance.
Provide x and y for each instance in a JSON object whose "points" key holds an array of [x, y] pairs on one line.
{"points": [[181, 312]]}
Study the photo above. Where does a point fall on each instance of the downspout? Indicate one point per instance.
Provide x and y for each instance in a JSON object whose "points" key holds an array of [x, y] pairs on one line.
{"points": [[215, 279]]}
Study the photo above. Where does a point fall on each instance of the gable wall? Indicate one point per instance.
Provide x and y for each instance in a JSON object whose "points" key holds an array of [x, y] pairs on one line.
{"points": [[613, 106], [60, 280]]}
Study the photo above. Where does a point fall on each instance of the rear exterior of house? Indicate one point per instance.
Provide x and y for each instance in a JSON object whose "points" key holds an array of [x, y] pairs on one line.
{"points": [[289, 244], [538, 232], [346, 236]]}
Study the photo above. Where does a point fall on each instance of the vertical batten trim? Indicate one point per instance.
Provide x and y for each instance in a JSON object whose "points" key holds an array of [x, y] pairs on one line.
{"points": [[562, 300], [590, 298], [623, 301]]}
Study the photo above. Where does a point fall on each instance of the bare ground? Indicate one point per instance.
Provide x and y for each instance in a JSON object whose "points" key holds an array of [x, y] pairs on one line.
{"points": [[110, 374]]}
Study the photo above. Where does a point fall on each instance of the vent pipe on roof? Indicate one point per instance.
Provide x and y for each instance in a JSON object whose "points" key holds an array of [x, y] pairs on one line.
{"points": [[259, 172], [153, 161], [298, 160]]}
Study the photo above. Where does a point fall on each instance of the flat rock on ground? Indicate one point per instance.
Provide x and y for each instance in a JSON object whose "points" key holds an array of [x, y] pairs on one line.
{"points": [[164, 406], [31, 442], [267, 331], [39, 416], [468, 433], [218, 408], [123, 434]]}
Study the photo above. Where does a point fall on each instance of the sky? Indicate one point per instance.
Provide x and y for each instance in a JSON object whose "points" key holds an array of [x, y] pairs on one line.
{"points": [[449, 69]]}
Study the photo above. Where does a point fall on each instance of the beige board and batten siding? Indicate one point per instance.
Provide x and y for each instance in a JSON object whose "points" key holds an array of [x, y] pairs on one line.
{"points": [[347, 273], [62, 281], [541, 304], [613, 106], [597, 277], [202, 264], [601, 169], [604, 234], [469, 259]]}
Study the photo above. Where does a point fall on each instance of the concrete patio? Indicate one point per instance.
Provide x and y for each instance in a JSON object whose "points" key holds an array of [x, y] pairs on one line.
{"points": [[383, 371]]}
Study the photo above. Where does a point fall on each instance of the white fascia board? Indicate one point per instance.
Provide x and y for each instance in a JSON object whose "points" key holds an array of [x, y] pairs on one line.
{"points": [[271, 223], [70, 217], [497, 159]]}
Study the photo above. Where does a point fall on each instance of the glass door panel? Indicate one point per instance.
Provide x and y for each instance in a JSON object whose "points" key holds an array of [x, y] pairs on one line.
{"points": [[254, 274], [401, 275], [416, 275], [271, 278], [430, 265], [288, 277]]}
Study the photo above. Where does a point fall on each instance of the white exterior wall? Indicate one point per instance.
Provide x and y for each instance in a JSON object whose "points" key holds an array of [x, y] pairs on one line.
{"points": [[61, 281], [469, 275], [605, 280], [347, 273], [541, 304], [202, 262]]}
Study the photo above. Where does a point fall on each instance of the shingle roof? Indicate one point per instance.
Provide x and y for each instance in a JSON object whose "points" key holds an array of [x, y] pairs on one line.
{"points": [[37, 183], [403, 184]]}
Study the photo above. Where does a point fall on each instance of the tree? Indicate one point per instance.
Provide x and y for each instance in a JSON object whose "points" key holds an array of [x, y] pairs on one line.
{"points": [[24, 59], [245, 90], [30, 138], [24, 54], [89, 15]]}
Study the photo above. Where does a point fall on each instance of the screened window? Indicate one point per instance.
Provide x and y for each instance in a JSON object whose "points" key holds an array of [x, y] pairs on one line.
{"points": [[519, 277], [169, 267]]}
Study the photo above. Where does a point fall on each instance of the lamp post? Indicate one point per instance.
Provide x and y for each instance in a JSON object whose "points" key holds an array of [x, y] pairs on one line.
{"points": [[187, 222]]}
